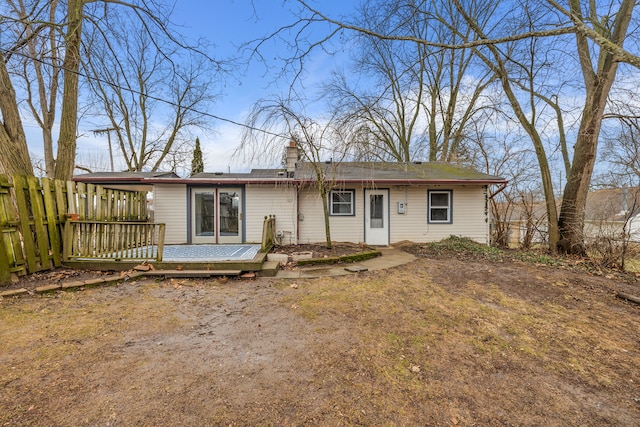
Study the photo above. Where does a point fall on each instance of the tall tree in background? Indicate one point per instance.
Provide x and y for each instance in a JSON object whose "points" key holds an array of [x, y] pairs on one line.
{"points": [[197, 164], [132, 75], [66, 157], [41, 67], [499, 59], [14, 152], [599, 66], [598, 30], [416, 101], [34, 24], [273, 122]]}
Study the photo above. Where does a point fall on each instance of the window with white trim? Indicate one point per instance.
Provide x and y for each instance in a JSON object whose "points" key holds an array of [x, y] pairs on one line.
{"points": [[439, 211], [342, 202]]}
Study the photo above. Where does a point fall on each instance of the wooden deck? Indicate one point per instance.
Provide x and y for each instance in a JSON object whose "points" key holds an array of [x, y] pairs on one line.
{"points": [[183, 260]]}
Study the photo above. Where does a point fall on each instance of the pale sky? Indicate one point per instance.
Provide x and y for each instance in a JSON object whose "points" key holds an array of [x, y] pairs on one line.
{"points": [[227, 24]]}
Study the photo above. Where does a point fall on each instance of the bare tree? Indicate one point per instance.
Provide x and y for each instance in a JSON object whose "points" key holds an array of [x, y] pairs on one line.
{"points": [[622, 152], [149, 101], [35, 19], [507, 155], [13, 142], [316, 140], [599, 72], [417, 101], [39, 67], [598, 32]]}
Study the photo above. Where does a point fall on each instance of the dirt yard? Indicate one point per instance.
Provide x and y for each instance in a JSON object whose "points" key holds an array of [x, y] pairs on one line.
{"points": [[452, 339]]}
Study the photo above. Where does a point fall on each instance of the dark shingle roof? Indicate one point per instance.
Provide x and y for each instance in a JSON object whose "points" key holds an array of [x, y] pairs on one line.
{"points": [[392, 172], [347, 172], [123, 176], [255, 174]]}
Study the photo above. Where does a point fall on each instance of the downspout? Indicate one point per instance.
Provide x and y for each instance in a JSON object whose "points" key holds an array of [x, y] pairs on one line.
{"points": [[297, 232], [499, 190]]}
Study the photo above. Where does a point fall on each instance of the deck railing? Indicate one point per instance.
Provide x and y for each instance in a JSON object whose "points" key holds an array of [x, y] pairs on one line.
{"points": [[268, 233], [113, 241]]}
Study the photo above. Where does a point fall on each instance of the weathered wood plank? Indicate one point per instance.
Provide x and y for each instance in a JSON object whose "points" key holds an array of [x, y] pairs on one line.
{"points": [[5, 262], [72, 204], [628, 297], [11, 235], [67, 243], [61, 199], [99, 215], [109, 215], [90, 202], [81, 197], [161, 228], [24, 214], [37, 208], [51, 213]]}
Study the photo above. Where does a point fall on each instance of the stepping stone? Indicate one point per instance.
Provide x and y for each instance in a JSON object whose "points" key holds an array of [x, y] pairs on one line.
{"points": [[356, 269], [13, 292], [47, 288]]}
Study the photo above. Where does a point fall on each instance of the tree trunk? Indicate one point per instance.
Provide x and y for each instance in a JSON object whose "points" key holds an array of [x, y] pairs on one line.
{"points": [[66, 157], [541, 155], [572, 213], [15, 157], [599, 78], [327, 224]]}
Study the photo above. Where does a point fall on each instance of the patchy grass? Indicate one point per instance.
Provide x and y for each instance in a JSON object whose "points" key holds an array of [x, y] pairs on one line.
{"points": [[632, 265], [417, 338], [460, 341]]}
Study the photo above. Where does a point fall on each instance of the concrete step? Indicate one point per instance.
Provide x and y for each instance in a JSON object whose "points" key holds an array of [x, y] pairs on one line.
{"points": [[269, 269]]}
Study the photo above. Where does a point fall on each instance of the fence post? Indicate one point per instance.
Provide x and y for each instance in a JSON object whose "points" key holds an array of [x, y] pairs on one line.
{"points": [[268, 232], [161, 229]]}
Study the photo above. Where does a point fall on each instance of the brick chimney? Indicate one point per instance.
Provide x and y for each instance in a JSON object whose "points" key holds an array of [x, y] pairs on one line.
{"points": [[292, 158]]}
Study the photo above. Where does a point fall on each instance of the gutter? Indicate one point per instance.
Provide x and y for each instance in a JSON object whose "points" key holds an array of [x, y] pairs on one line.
{"points": [[297, 181]]}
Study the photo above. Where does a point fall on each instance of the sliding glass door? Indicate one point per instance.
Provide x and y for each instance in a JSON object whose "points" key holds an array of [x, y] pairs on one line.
{"points": [[216, 215]]}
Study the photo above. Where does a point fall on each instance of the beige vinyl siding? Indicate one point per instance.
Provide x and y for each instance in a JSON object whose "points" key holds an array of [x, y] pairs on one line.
{"points": [[468, 209], [343, 228], [469, 214], [170, 207], [264, 200]]}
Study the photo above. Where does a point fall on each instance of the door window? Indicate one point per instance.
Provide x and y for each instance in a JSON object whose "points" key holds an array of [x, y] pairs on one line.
{"points": [[205, 214], [376, 203], [229, 211]]}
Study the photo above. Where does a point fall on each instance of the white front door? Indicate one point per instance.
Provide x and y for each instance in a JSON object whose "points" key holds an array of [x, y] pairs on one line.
{"points": [[376, 217], [216, 215]]}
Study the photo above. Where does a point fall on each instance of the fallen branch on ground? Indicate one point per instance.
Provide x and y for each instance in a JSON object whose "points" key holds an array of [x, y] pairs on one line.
{"points": [[628, 297]]}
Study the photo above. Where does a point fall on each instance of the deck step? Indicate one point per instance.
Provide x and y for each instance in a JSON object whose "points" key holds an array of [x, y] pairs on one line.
{"points": [[269, 269], [192, 273]]}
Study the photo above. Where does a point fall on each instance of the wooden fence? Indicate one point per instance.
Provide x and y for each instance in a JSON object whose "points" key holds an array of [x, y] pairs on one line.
{"points": [[33, 212]]}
